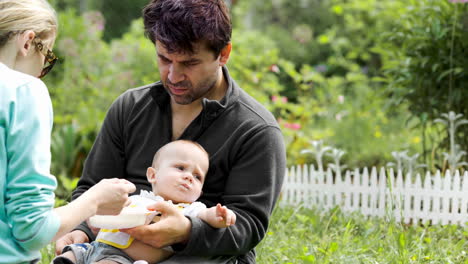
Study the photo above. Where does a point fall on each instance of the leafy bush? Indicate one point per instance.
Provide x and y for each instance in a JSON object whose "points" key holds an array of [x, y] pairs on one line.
{"points": [[425, 63], [252, 58], [292, 25], [347, 112]]}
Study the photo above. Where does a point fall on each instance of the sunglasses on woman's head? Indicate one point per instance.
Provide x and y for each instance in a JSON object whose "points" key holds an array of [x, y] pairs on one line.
{"points": [[50, 58]]}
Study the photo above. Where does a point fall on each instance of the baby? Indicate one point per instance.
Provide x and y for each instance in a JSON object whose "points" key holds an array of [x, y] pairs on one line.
{"points": [[177, 176]]}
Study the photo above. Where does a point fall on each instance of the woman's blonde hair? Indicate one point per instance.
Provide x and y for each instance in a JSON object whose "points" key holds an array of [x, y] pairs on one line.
{"points": [[17, 16]]}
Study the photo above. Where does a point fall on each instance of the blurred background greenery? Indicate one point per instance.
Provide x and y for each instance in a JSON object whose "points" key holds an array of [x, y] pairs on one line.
{"points": [[366, 76]]}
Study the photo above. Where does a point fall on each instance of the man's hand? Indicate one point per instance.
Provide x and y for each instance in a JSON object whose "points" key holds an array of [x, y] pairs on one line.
{"points": [[173, 227], [73, 237]]}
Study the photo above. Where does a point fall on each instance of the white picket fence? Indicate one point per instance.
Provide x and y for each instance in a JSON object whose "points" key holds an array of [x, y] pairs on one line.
{"points": [[434, 200]]}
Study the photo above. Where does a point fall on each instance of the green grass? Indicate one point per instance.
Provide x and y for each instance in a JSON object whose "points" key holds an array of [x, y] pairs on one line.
{"points": [[299, 235]]}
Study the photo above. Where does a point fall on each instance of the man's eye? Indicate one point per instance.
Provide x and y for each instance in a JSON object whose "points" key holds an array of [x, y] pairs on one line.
{"points": [[164, 60], [189, 64]]}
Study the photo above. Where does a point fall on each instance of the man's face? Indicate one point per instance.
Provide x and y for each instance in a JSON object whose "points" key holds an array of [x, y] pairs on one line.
{"points": [[188, 77]]}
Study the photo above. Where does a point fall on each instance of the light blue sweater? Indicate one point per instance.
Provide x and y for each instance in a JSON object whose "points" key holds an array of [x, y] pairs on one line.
{"points": [[27, 221]]}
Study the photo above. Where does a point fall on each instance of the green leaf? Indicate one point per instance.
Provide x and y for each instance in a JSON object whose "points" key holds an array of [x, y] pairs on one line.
{"points": [[444, 74]]}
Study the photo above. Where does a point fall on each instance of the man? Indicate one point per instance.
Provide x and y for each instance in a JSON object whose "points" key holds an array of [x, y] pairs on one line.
{"points": [[195, 100]]}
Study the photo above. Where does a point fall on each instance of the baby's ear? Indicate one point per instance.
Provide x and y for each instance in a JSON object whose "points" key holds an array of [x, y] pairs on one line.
{"points": [[151, 174]]}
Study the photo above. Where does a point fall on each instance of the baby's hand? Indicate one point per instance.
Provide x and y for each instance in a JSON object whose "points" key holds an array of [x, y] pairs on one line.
{"points": [[225, 216]]}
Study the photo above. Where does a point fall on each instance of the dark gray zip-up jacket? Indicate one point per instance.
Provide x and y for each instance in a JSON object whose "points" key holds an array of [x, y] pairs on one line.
{"points": [[247, 160]]}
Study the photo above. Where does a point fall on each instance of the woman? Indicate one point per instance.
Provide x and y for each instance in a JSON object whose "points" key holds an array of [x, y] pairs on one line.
{"points": [[28, 220]]}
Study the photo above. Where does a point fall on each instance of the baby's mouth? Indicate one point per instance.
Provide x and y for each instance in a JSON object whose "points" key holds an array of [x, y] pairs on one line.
{"points": [[185, 186]]}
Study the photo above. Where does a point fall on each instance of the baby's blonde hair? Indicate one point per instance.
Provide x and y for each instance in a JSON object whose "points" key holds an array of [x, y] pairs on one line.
{"points": [[17, 16], [157, 156]]}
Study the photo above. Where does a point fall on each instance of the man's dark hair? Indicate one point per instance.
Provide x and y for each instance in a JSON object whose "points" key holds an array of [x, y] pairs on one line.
{"points": [[179, 24]]}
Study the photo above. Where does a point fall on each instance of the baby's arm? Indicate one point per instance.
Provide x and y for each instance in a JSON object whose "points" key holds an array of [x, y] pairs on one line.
{"points": [[218, 216]]}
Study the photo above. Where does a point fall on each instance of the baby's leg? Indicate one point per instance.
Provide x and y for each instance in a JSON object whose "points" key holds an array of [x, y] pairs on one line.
{"points": [[66, 258], [74, 254], [141, 251], [105, 261]]}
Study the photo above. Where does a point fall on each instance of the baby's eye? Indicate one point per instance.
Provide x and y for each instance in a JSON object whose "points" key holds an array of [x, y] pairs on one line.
{"points": [[197, 176], [179, 167]]}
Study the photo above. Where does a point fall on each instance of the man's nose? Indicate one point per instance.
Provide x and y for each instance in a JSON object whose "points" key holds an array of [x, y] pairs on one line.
{"points": [[176, 74]]}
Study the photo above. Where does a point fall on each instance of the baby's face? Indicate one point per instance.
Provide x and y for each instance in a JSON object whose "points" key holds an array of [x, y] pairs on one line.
{"points": [[181, 173]]}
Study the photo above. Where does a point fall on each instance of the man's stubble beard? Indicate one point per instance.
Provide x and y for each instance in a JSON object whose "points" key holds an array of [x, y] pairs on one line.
{"points": [[189, 98]]}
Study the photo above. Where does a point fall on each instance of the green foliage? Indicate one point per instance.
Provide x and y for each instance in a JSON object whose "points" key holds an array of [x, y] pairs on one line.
{"points": [[293, 25], [67, 154], [47, 254], [357, 31], [253, 55], [348, 112], [330, 92], [119, 16], [425, 62]]}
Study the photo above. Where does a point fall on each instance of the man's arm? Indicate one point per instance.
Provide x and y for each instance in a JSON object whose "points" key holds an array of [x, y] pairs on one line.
{"points": [[251, 190]]}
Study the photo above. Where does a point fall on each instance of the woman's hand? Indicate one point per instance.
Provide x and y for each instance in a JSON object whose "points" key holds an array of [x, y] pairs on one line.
{"points": [[110, 195]]}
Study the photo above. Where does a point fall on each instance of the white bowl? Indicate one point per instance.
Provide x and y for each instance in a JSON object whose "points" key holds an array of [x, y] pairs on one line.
{"points": [[128, 218]]}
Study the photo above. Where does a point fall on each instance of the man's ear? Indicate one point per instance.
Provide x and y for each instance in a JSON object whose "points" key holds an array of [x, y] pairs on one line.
{"points": [[151, 174], [24, 42], [224, 55]]}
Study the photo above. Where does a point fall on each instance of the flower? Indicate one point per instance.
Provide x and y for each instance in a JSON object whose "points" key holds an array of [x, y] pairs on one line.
{"points": [[95, 21], [340, 99], [281, 99], [378, 134], [416, 140], [274, 68], [292, 126], [338, 116], [255, 79]]}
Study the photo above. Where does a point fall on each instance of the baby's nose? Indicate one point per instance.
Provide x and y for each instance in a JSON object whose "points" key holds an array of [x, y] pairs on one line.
{"points": [[189, 177]]}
